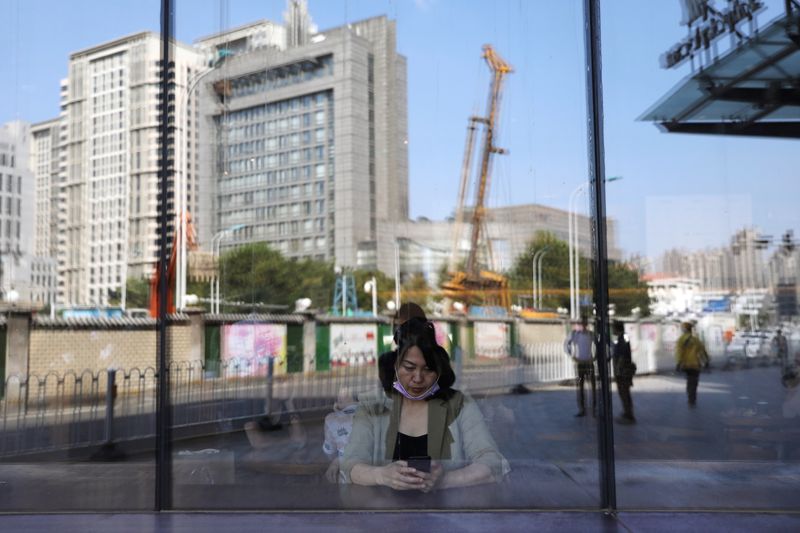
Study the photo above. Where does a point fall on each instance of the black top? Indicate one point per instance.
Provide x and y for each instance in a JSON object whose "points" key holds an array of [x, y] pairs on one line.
{"points": [[406, 446], [622, 350]]}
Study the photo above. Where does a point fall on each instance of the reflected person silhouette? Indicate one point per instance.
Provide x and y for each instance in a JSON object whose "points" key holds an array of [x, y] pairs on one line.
{"points": [[420, 420]]}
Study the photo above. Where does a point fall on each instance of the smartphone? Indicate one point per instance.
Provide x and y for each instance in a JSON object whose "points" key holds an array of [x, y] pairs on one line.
{"points": [[420, 462]]}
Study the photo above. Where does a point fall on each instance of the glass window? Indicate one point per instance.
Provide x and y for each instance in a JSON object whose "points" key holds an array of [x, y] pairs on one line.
{"points": [[706, 224], [77, 400], [327, 181]]}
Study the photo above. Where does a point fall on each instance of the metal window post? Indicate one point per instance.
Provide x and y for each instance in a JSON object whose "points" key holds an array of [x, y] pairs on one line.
{"points": [[163, 492], [594, 109]]}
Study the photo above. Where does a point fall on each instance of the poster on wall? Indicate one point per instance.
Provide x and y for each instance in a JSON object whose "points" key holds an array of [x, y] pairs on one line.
{"points": [[251, 345], [442, 334], [353, 344], [491, 339], [670, 333]]}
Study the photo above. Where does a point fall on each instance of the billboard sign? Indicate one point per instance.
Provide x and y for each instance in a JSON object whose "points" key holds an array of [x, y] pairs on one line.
{"points": [[491, 340], [353, 344], [707, 24], [251, 345]]}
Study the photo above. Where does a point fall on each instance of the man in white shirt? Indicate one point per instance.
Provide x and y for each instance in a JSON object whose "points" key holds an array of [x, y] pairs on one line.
{"points": [[580, 347]]}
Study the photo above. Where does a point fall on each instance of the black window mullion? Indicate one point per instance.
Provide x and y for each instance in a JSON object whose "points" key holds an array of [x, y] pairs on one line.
{"points": [[163, 492], [594, 111]]}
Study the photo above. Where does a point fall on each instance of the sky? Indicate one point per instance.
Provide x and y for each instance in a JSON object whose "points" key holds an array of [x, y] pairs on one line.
{"points": [[543, 113]]}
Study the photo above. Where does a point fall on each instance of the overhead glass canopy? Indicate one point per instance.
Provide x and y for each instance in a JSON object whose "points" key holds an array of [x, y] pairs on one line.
{"points": [[752, 90]]}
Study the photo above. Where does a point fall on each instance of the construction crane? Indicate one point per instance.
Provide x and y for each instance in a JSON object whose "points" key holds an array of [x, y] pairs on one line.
{"points": [[473, 284]]}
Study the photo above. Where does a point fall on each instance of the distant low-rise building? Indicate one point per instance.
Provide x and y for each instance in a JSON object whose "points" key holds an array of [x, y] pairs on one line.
{"points": [[424, 245], [671, 296]]}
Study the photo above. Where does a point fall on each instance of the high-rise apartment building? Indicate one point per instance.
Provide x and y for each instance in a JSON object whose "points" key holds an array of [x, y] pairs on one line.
{"points": [[23, 274], [311, 133], [110, 150], [16, 190], [739, 267], [44, 165]]}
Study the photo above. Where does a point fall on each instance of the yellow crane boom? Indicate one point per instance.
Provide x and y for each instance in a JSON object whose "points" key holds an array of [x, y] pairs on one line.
{"points": [[474, 283]]}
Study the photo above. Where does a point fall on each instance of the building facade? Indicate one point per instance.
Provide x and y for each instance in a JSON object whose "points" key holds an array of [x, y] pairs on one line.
{"points": [[425, 245], [110, 149], [311, 132], [44, 164], [739, 267], [24, 276]]}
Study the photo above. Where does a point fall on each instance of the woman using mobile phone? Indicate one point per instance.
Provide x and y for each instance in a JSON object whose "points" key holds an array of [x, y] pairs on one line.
{"points": [[420, 423]]}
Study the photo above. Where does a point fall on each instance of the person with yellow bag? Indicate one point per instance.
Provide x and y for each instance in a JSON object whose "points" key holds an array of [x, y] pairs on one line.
{"points": [[691, 356]]}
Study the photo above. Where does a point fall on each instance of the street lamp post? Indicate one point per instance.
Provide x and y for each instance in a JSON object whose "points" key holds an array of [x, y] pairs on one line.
{"points": [[216, 241], [572, 242], [213, 282], [396, 274], [371, 286], [344, 293], [181, 203], [574, 251], [536, 280], [539, 281], [533, 279]]}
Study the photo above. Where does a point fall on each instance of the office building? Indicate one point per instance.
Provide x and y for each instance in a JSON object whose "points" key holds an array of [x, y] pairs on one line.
{"points": [[311, 129]]}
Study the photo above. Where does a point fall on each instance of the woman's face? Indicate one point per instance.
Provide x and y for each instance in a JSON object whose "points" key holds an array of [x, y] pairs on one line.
{"points": [[414, 374]]}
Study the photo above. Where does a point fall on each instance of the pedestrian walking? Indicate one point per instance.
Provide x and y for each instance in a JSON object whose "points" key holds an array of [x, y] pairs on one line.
{"points": [[780, 348], [691, 356], [580, 347], [624, 370]]}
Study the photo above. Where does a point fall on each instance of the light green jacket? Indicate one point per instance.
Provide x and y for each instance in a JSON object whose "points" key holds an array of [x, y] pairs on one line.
{"points": [[375, 431]]}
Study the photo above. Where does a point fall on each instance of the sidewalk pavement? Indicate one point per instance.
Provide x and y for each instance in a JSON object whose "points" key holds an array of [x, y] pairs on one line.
{"points": [[674, 458]]}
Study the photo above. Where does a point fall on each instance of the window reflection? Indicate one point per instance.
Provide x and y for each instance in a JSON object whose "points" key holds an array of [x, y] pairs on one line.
{"points": [[711, 233], [77, 360], [313, 181], [307, 164]]}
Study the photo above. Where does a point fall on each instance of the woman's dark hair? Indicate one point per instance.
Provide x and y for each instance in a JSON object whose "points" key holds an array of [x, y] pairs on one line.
{"points": [[420, 333]]}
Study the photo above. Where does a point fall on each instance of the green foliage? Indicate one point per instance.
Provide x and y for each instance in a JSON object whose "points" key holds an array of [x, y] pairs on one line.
{"points": [[257, 274], [626, 290], [417, 290], [385, 288], [137, 293], [555, 270]]}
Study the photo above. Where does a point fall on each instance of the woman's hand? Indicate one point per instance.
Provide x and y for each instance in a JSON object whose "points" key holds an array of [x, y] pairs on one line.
{"points": [[431, 479], [332, 473], [399, 476]]}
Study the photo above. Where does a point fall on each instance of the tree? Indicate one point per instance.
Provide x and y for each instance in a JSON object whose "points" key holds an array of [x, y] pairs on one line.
{"points": [[385, 288], [417, 290], [257, 274], [555, 270], [626, 290], [137, 293]]}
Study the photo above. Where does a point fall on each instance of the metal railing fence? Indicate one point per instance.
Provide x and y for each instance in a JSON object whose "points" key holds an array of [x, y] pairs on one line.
{"points": [[79, 409]]}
